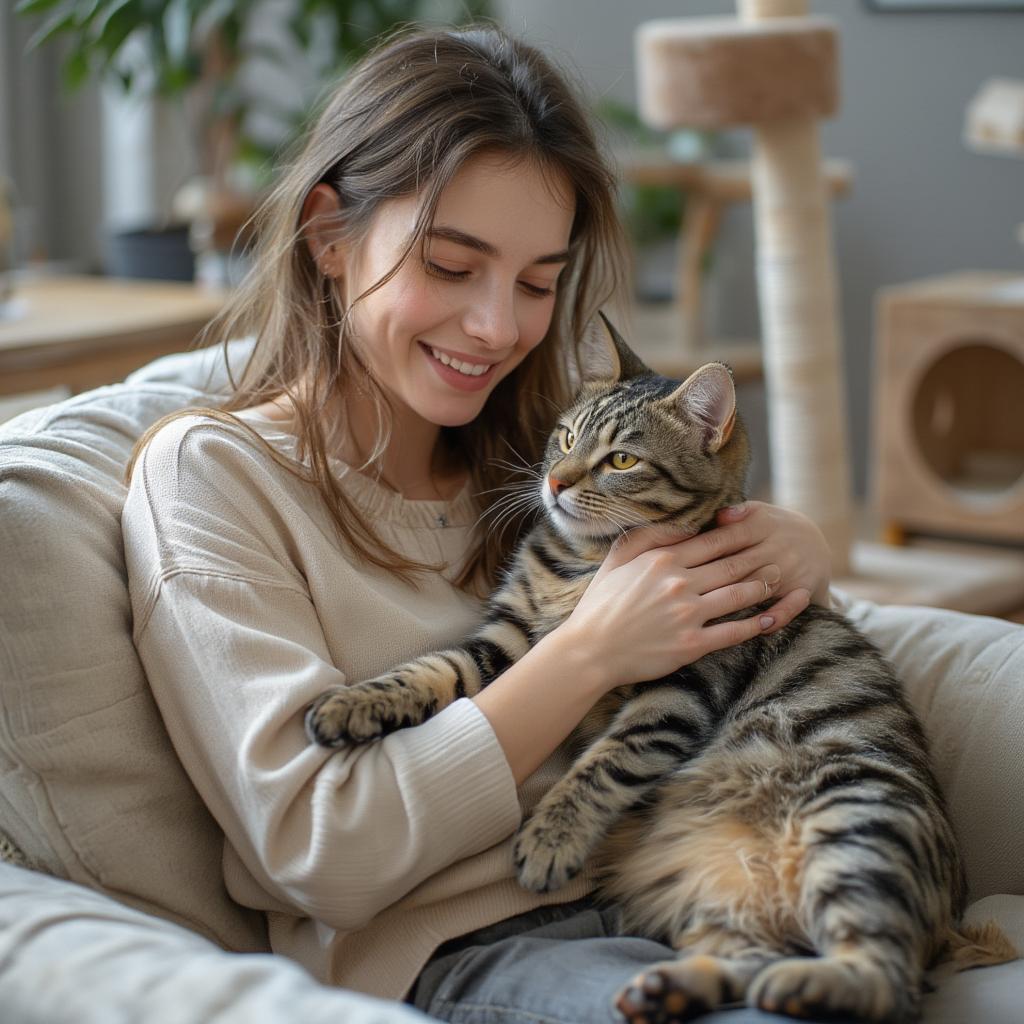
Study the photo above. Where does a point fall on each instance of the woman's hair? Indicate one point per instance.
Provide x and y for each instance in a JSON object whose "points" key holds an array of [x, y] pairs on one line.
{"points": [[404, 121]]}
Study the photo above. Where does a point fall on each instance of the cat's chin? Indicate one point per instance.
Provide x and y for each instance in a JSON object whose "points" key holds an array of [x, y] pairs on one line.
{"points": [[575, 528]]}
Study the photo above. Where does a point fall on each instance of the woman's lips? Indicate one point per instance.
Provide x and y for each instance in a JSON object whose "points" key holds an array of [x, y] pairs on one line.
{"points": [[457, 379]]}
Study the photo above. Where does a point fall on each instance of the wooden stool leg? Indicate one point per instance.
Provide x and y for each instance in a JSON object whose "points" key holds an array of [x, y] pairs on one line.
{"points": [[700, 226]]}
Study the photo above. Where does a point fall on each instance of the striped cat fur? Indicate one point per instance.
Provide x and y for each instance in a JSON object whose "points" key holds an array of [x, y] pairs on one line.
{"points": [[768, 811]]}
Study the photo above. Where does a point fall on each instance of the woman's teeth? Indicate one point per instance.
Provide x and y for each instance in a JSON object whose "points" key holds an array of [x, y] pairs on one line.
{"points": [[469, 369]]}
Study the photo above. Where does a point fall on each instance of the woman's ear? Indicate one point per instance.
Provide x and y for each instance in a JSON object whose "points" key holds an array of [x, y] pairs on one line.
{"points": [[321, 220]]}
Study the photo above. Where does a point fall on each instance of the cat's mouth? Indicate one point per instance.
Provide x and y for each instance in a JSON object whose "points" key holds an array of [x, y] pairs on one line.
{"points": [[581, 524]]}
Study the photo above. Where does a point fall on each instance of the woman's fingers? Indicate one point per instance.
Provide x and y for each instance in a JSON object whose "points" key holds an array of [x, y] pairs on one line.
{"points": [[787, 608], [734, 598], [634, 543], [739, 568], [718, 543], [727, 634]]}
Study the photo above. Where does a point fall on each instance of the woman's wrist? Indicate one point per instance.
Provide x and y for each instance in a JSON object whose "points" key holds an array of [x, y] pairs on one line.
{"points": [[534, 705], [568, 648]]}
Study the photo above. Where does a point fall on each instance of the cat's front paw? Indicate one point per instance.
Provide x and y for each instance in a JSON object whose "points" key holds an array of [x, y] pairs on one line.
{"points": [[549, 850], [351, 714]]}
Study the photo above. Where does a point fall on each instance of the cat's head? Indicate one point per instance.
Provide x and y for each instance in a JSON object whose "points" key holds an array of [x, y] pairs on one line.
{"points": [[636, 448]]}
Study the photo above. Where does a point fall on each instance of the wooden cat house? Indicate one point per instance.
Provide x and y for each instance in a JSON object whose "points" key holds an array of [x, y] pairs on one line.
{"points": [[949, 408]]}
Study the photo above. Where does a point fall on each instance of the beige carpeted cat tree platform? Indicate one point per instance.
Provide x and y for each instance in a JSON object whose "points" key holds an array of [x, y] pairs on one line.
{"points": [[774, 69]]}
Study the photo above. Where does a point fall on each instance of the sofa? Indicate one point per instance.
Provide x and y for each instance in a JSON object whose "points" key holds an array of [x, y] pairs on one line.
{"points": [[93, 930]]}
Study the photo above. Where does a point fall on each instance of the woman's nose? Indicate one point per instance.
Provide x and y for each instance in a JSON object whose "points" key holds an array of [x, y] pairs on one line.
{"points": [[491, 318]]}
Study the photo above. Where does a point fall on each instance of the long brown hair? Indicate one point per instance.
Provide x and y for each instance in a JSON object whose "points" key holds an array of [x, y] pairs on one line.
{"points": [[403, 121]]}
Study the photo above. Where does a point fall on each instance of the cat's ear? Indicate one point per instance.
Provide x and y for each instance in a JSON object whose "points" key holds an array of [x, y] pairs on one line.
{"points": [[709, 395], [605, 356]]}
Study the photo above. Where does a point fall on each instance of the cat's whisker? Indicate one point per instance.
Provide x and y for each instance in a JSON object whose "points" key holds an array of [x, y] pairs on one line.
{"points": [[507, 509], [621, 514], [521, 485], [528, 466], [547, 400], [512, 492], [528, 471]]}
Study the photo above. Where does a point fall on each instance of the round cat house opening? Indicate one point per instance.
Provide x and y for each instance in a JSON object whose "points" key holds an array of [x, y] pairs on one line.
{"points": [[967, 420]]}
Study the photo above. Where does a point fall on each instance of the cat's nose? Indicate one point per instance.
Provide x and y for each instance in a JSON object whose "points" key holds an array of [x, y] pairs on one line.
{"points": [[556, 485]]}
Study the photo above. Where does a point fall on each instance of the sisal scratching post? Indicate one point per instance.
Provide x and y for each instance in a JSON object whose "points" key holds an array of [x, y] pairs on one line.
{"points": [[776, 73], [773, 70]]}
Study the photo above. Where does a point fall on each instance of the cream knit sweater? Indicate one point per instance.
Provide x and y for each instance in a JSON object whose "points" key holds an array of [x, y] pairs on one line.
{"points": [[245, 608]]}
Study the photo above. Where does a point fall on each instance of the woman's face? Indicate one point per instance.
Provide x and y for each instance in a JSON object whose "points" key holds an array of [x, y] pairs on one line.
{"points": [[443, 332]]}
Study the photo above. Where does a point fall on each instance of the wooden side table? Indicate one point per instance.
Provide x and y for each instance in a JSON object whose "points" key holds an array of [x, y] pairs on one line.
{"points": [[82, 332]]}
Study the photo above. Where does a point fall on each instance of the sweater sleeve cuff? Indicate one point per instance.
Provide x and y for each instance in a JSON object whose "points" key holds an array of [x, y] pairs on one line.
{"points": [[462, 773]]}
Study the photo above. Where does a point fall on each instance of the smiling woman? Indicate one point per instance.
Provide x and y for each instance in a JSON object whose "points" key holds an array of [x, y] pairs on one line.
{"points": [[425, 270]]}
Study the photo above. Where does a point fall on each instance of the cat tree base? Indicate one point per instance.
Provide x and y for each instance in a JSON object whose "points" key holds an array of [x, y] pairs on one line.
{"points": [[943, 574]]}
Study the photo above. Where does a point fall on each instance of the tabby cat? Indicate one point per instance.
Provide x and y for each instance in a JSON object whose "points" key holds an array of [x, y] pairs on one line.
{"points": [[769, 810]]}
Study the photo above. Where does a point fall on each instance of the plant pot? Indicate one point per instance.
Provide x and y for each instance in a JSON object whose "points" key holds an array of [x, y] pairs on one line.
{"points": [[161, 253]]}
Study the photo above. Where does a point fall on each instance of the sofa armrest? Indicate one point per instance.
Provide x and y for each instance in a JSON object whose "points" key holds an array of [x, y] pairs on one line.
{"points": [[70, 955]]}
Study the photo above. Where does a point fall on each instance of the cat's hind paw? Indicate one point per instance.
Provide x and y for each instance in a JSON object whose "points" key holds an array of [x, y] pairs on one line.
{"points": [[657, 997], [834, 988]]}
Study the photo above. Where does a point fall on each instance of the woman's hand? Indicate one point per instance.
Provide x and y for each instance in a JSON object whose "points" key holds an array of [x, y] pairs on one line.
{"points": [[644, 614], [780, 536]]}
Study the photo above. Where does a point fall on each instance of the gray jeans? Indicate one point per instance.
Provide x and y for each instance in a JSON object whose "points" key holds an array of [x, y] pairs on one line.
{"points": [[562, 964]]}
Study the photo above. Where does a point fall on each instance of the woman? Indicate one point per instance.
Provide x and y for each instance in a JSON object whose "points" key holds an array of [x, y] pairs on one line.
{"points": [[446, 232]]}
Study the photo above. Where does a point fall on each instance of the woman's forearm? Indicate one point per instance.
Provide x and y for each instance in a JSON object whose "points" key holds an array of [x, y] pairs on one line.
{"points": [[536, 703]]}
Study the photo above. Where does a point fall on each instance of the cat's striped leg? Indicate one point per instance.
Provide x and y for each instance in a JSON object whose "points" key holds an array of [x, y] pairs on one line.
{"points": [[659, 728], [714, 969], [875, 899], [854, 982], [417, 690]]}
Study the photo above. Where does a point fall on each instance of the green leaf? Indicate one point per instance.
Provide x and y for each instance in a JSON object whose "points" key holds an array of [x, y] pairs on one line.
{"points": [[76, 70], [173, 79], [60, 22], [122, 13], [35, 6], [118, 27]]}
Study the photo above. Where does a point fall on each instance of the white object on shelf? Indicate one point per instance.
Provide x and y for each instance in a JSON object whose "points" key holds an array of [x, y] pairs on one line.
{"points": [[995, 118]]}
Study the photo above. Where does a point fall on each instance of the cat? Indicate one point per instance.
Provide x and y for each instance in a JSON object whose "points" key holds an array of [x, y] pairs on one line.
{"points": [[769, 810]]}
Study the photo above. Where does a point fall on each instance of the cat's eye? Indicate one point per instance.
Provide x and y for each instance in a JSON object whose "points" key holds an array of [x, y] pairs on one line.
{"points": [[623, 460], [566, 439]]}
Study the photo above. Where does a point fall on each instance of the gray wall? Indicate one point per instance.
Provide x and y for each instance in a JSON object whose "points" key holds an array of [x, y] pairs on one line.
{"points": [[921, 203]]}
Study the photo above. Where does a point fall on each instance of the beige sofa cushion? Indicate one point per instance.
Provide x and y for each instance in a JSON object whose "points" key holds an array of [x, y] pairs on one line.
{"points": [[90, 787], [965, 676]]}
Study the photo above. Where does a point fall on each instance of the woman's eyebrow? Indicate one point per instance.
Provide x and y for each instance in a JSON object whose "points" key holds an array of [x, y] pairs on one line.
{"points": [[472, 242]]}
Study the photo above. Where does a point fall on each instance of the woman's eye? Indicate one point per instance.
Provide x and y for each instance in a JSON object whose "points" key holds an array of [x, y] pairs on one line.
{"points": [[623, 460], [436, 270], [536, 290], [566, 440]]}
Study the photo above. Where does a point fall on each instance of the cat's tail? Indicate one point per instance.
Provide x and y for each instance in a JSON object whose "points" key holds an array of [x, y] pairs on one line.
{"points": [[975, 945]]}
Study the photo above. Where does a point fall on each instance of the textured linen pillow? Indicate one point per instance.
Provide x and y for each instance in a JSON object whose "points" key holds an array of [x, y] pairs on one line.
{"points": [[90, 786], [965, 676]]}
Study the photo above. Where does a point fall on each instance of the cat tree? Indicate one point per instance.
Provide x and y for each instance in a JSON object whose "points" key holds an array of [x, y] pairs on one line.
{"points": [[774, 70]]}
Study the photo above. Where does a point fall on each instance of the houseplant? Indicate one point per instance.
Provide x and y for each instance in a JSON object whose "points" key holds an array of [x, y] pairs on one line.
{"points": [[202, 54]]}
